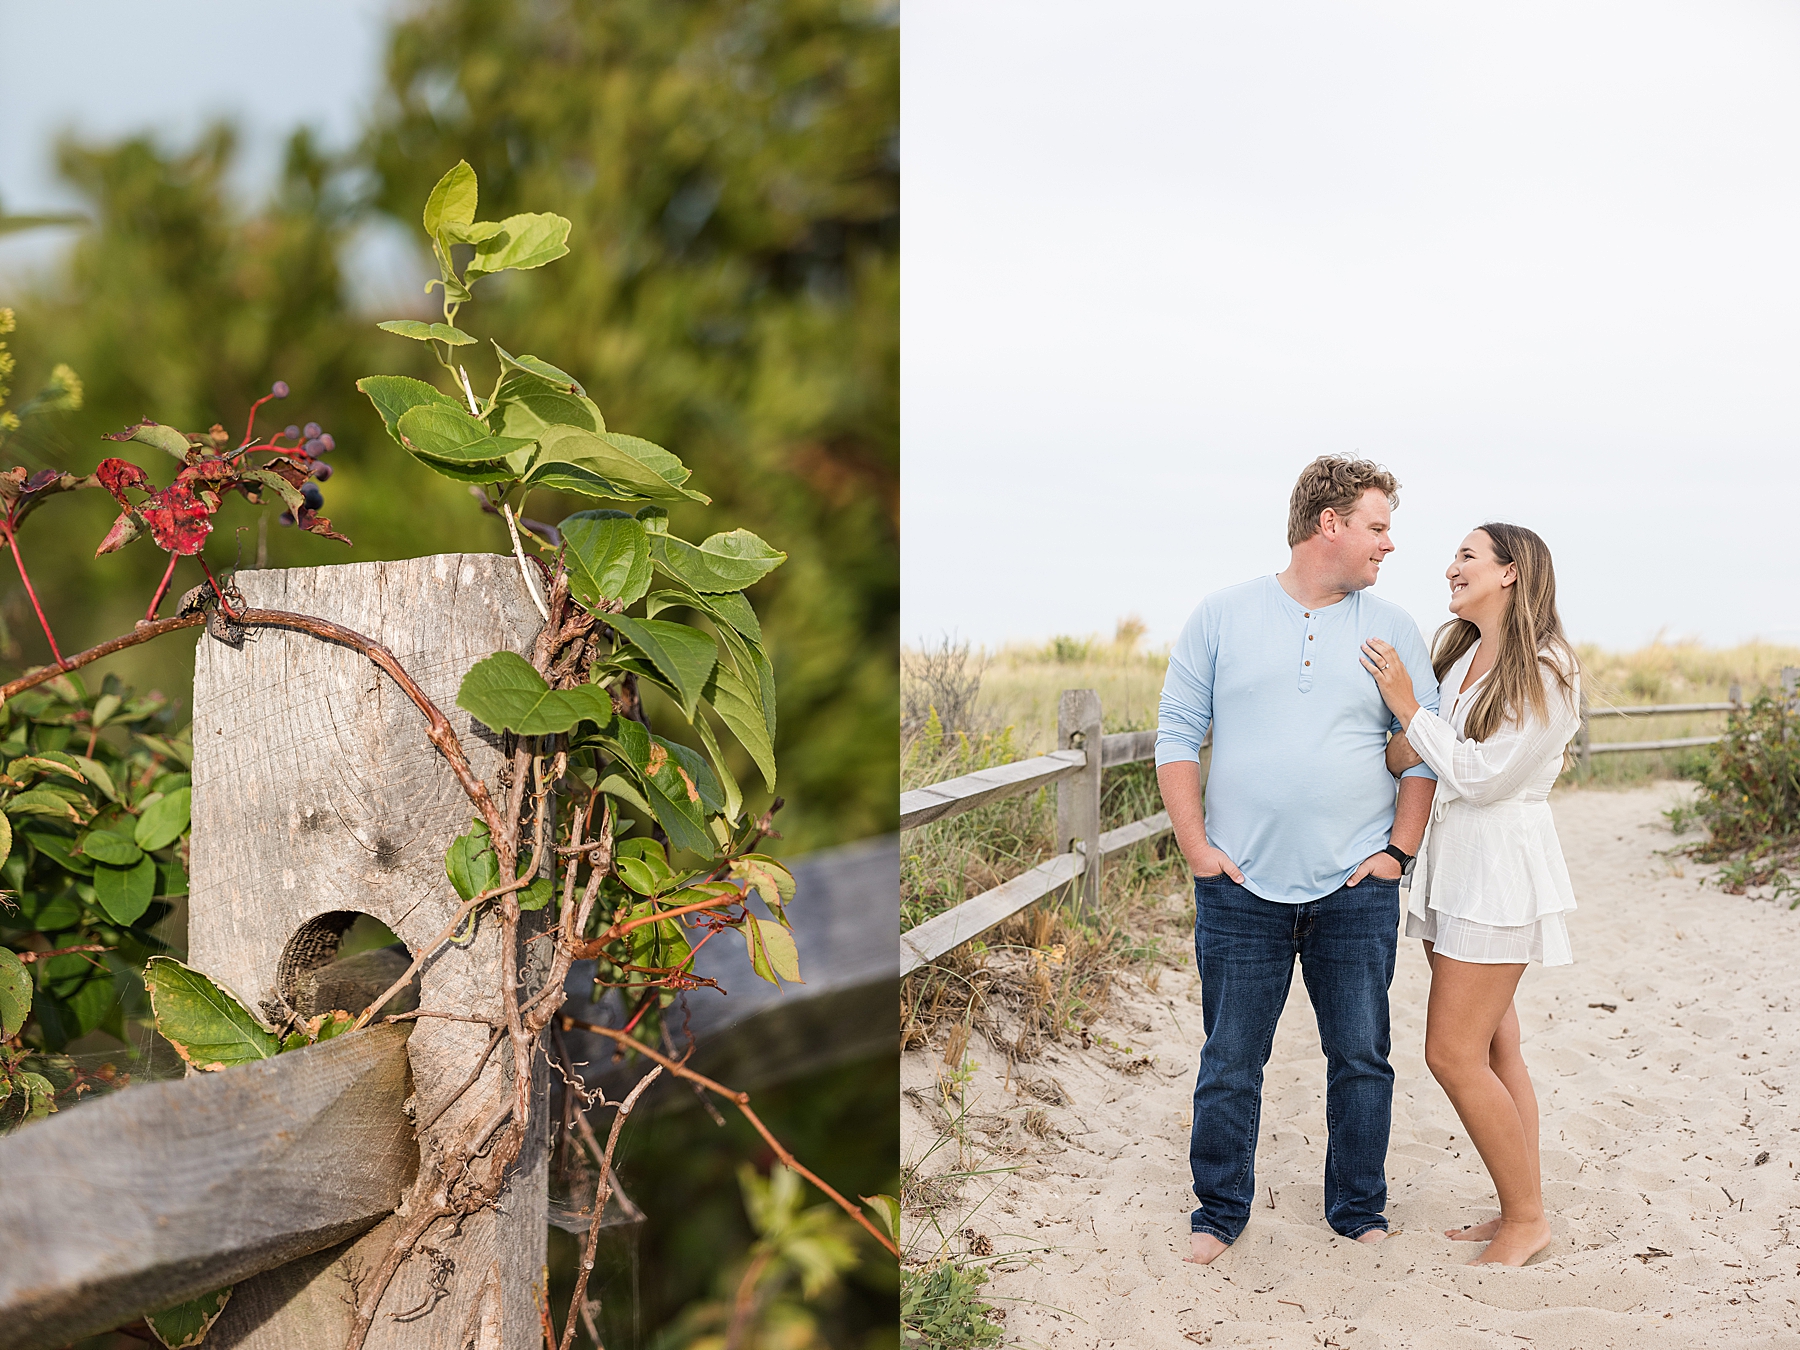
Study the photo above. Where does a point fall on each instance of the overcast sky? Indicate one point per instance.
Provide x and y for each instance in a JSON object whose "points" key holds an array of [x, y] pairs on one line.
{"points": [[113, 68], [1540, 259]]}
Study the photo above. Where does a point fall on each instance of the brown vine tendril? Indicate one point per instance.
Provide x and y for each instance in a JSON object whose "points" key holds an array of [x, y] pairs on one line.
{"points": [[741, 1100]]}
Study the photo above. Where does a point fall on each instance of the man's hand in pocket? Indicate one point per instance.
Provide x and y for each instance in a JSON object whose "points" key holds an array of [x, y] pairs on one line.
{"points": [[1210, 862]]}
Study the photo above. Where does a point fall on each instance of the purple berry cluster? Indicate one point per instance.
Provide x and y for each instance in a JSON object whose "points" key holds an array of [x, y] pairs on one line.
{"points": [[315, 443]]}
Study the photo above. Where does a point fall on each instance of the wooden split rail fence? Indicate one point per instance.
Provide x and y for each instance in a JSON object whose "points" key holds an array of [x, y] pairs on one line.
{"points": [[1076, 774], [1075, 769]]}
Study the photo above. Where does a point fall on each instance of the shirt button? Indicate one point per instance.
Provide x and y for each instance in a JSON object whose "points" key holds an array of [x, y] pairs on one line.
{"points": [[1309, 614], [1309, 637], [1309, 663]]}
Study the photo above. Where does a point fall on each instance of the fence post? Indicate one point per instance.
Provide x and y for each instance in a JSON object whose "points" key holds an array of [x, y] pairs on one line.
{"points": [[317, 795], [1078, 796], [1584, 740]]}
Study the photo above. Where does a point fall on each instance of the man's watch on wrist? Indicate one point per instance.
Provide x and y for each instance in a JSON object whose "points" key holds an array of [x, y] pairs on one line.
{"points": [[1399, 855]]}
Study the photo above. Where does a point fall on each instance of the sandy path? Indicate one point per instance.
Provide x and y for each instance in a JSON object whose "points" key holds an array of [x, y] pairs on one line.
{"points": [[1653, 1115]]}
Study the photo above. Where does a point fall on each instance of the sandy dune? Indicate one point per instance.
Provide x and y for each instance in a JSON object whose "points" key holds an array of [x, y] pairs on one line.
{"points": [[1671, 1133]]}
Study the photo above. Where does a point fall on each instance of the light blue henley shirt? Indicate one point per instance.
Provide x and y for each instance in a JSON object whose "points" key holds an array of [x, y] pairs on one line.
{"points": [[1298, 793]]}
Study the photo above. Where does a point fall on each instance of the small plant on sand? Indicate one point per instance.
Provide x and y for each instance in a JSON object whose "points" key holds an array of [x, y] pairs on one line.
{"points": [[940, 1310]]}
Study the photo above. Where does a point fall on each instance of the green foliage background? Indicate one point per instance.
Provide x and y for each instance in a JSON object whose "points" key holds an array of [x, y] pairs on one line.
{"points": [[732, 293]]}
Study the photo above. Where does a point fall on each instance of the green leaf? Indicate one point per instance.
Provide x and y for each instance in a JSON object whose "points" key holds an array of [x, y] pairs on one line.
{"points": [[728, 784], [506, 694], [725, 562], [98, 775], [526, 241], [126, 892], [474, 232], [737, 707], [537, 895], [60, 849], [471, 863], [886, 1210], [42, 802], [626, 790], [672, 798], [427, 332], [274, 482], [165, 821], [187, 1323], [445, 433], [207, 1026], [772, 951], [396, 395], [700, 777], [632, 467], [559, 380], [166, 439], [608, 555], [766, 877], [6, 843], [15, 994], [685, 656], [453, 200], [529, 407], [112, 849]]}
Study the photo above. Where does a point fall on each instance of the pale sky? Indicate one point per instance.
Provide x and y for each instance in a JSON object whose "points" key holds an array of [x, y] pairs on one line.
{"points": [[1540, 259], [113, 68]]}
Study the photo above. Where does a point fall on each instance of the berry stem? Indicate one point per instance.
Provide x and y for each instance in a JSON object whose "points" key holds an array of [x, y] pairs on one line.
{"points": [[13, 543], [250, 426], [162, 590]]}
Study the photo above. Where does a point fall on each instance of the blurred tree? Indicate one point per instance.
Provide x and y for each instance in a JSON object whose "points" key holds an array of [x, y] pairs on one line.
{"points": [[732, 170]]}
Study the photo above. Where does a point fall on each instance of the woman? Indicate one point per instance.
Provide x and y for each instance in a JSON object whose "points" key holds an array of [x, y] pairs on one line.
{"points": [[1490, 888]]}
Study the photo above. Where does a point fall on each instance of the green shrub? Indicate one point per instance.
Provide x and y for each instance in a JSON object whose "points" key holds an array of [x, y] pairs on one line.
{"points": [[1749, 798]]}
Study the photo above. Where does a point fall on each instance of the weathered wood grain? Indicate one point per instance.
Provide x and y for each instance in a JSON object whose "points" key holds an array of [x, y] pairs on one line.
{"points": [[1078, 796], [1116, 841], [315, 791], [974, 916], [169, 1190], [953, 796], [1127, 747]]}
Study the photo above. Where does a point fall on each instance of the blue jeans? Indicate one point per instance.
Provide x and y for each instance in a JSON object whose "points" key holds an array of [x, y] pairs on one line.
{"points": [[1245, 947]]}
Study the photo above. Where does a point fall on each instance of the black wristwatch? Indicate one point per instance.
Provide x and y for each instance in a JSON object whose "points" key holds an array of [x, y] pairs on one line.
{"points": [[1399, 855]]}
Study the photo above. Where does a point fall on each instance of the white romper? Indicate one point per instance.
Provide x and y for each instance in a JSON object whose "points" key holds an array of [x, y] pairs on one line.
{"points": [[1490, 885]]}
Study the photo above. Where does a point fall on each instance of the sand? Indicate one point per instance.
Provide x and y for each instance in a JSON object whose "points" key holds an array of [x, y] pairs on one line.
{"points": [[1671, 1132]]}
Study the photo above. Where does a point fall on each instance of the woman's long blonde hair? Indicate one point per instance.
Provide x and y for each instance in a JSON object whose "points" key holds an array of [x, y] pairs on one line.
{"points": [[1531, 638]]}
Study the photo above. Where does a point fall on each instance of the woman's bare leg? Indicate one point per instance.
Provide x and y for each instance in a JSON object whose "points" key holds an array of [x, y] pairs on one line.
{"points": [[1508, 1065], [1469, 1002]]}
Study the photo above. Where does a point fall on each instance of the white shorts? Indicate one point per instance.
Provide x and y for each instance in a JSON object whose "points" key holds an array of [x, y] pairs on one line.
{"points": [[1545, 941]]}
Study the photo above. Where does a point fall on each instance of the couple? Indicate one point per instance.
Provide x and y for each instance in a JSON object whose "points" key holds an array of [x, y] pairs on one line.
{"points": [[1301, 844]]}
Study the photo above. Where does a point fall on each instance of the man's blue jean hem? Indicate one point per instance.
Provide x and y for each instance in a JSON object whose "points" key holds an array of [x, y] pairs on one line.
{"points": [[1245, 947]]}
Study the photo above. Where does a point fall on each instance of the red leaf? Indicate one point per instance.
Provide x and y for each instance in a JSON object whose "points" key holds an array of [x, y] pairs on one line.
{"points": [[314, 523], [126, 528], [116, 475], [178, 520]]}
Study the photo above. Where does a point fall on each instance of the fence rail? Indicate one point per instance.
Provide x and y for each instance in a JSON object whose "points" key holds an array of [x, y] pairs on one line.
{"points": [[1077, 781]]}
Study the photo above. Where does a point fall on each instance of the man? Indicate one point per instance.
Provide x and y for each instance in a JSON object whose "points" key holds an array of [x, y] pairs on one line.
{"points": [[1300, 845]]}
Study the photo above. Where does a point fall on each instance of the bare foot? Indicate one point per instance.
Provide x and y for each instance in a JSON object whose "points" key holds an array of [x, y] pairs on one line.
{"points": [[1206, 1248], [1373, 1236], [1515, 1243], [1475, 1232]]}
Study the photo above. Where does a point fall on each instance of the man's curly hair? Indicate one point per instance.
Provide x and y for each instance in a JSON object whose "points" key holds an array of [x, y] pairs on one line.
{"points": [[1338, 483]]}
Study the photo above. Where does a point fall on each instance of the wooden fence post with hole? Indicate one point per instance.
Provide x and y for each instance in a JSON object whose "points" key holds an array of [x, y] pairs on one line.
{"points": [[317, 798], [1078, 796]]}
